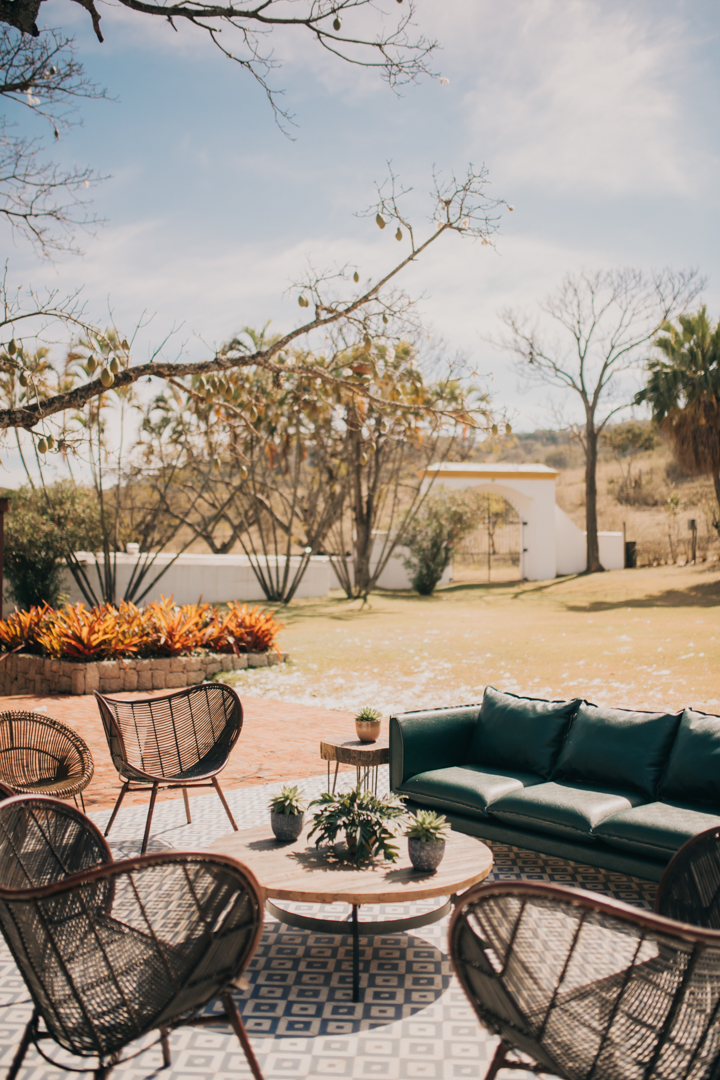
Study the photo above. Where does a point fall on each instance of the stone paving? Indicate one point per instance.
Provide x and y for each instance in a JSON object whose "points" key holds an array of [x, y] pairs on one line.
{"points": [[413, 1020]]}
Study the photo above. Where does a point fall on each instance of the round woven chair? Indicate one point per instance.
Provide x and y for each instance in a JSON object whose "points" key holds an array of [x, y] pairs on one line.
{"points": [[689, 890], [41, 756]]}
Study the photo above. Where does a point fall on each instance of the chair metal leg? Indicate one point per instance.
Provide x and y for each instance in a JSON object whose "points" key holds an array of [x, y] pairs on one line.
{"points": [[22, 1048], [146, 837], [498, 1061], [187, 806], [238, 1027], [120, 798], [103, 1070], [165, 1047], [224, 802]]}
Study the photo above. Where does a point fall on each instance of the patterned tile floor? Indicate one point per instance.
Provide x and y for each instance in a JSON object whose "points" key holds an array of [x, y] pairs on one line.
{"points": [[413, 1021]]}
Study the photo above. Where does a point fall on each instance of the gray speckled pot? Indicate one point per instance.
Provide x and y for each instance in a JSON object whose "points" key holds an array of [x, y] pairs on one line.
{"points": [[426, 856], [287, 827]]}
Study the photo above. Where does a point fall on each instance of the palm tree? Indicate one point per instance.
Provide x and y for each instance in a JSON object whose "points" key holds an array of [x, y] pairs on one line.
{"points": [[683, 392]]}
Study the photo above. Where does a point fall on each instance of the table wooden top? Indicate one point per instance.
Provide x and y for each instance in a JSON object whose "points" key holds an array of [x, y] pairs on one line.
{"points": [[356, 752], [300, 871]]}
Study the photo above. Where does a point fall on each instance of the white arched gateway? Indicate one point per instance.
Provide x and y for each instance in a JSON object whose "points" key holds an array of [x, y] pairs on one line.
{"points": [[551, 543]]}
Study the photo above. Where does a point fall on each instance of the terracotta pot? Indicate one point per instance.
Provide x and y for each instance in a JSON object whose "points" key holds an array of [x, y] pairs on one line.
{"points": [[426, 855], [368, 730], [287, 827]]}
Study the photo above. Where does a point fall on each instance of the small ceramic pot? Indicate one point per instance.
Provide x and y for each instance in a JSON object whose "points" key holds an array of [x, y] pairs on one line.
{"points": [[426, 855], [287, 827], [368, 730]]}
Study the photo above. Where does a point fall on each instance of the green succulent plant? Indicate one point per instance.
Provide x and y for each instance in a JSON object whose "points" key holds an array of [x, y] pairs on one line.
{"points": [[362, 818], [428, 827], [290, 802], [368, 713]]}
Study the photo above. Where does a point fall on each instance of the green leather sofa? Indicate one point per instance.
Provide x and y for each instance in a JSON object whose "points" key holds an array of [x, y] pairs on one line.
{"points": [[614, 788]]}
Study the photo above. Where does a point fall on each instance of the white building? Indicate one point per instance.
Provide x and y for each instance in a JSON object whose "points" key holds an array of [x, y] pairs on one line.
{"points": [[550, 543]]}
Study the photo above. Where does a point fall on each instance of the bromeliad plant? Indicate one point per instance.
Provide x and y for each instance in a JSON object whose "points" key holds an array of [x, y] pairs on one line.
{"points": [[363, 819], [162, 628]]}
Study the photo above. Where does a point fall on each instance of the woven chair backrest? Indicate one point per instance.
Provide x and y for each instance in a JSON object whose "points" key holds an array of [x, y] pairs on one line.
{"points": [[179, 930], [591, 989], [167, 735], [43, 840], [690, 887], [35, 747]]}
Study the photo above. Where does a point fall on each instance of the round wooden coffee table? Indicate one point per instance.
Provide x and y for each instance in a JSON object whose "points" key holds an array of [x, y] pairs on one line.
{"points": [[299, 871]]}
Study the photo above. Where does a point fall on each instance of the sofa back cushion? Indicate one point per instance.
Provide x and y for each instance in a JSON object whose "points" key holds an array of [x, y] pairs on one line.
{"points": [[617, 748], [524, 734], [693, 771]]}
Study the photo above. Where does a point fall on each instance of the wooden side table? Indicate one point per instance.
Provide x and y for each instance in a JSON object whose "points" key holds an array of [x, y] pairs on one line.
{"points": [[366, 757]]}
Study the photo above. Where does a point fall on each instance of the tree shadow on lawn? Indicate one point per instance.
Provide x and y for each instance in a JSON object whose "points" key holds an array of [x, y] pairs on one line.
{"points": [[706, 595]]}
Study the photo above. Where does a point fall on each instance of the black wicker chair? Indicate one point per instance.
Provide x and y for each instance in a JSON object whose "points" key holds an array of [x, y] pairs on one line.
{"points": [[41, 756], [588, 988], [177, 740], [689, 890], [118, 950]]}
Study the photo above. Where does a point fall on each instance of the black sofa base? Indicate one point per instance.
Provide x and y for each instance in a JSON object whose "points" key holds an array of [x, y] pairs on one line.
{"points": [[590, 854]]}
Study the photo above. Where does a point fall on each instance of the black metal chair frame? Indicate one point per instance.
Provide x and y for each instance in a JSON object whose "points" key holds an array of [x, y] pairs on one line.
{"points": [[79, 909], [689, 889], [187, 748], [35, 740], [554, 993]]}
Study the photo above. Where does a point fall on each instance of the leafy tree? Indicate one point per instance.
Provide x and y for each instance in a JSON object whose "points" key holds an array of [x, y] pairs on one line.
{"points": [[435, 533], [42, 529], [683, 392], [628, 441], [602, 319], [344, 310]]}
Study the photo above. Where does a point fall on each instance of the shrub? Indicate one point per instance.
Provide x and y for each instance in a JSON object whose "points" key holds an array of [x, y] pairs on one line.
{"points": [[444, 520], [42, 528], [106, 632]]}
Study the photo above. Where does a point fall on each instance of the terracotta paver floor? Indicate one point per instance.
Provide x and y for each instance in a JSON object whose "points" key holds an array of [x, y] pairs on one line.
{"points": [[279, 741]]}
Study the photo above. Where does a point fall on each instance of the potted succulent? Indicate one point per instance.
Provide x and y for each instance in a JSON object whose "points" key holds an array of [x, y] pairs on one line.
{"points": [[362, 819], [367, 724], [426, 835], [287, 813]]}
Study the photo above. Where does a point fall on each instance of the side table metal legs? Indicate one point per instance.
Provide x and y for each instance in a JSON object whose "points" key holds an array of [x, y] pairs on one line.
{"points": [[357, 928], [366, 777]]}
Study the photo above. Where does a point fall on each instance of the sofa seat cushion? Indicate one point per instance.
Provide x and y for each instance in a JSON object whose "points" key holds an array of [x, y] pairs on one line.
{"points": [[656, 829], [617, 749], [693, 771], [466, 789], [573, 810], [519, 733]]}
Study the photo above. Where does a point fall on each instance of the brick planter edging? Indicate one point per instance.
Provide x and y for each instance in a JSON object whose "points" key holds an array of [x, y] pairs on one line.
{"points": [[23, 673]]}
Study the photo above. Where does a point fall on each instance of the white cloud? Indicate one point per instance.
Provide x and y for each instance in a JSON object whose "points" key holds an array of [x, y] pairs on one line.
{"points": [[578, 96]]}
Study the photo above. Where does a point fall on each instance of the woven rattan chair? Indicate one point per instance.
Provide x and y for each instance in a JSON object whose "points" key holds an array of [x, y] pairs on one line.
{"points": [[39, 755], [588, 988], [118, 950], [178, 740], [689, 890]]}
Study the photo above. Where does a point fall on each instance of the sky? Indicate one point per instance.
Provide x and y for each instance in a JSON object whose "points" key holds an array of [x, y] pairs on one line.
{"points": [[596, 120]]}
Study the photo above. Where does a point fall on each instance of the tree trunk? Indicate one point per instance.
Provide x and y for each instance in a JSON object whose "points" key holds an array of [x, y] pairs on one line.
{"points": [[593, 546], [716, 482]]}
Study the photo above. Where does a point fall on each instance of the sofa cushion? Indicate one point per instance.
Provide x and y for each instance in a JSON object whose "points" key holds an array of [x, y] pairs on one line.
{"points": [[617, 748], [520, 733], [693, 771], [466, 789], [656, 829], [563, 809]]}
